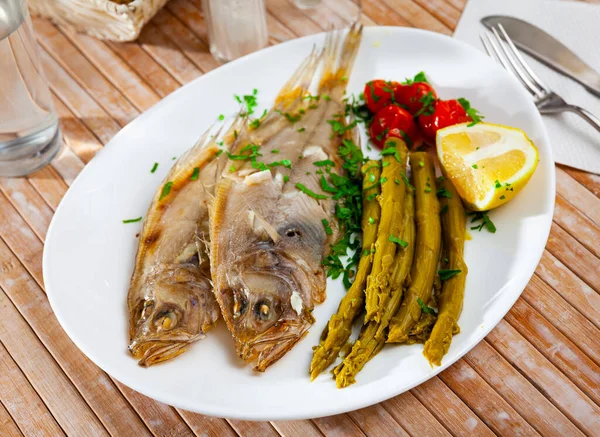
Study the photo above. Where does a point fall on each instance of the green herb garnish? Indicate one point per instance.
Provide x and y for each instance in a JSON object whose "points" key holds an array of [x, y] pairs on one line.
{"points": [[471, 112], [154, 167], [447, 274], [485, 221], [135, 220], [165, 190], [425, 308], [397, 240], [328, 229], [195, 174], [442, 192], [308, 192]]}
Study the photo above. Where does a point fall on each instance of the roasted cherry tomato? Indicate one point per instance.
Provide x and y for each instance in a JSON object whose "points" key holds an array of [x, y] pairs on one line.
{"points": [[392, 121], [414, 95], [446, 113], [378, 94]]}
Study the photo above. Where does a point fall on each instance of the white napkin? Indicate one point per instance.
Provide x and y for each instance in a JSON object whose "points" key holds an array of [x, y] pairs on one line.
{"points": [[577, 25]]}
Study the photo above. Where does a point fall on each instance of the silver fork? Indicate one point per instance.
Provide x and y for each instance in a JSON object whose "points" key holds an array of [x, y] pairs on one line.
{"points": [[501, 48]]}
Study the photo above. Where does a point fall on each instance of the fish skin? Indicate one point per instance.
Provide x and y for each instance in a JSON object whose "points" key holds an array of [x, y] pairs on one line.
{"points": [[170, 299], [267, 237]]}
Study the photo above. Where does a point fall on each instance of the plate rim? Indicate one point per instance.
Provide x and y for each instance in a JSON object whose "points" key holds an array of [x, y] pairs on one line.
{"points": [[351, 403]]}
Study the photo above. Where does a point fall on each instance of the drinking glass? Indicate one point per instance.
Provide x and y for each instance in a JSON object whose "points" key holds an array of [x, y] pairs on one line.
{"points": [[29, 131], [235, 27]]}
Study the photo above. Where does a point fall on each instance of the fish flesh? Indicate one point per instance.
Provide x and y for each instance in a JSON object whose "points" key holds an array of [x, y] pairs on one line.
{"points": [[170, 299], [271, 224]]}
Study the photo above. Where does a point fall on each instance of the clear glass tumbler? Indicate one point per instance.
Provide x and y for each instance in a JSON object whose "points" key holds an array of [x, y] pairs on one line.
{"points": [[29, 131], [235, 27]]}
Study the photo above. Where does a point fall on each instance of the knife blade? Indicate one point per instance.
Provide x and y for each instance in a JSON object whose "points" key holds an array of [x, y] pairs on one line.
{"points": [[547, 49]]}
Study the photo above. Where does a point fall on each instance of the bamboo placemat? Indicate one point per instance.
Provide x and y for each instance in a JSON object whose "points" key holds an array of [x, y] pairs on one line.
{"points": [[536, 373]]}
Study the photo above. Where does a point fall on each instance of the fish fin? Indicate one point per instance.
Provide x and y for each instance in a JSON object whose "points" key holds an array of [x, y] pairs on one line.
{"points": [[295, 88], [339, 61]]}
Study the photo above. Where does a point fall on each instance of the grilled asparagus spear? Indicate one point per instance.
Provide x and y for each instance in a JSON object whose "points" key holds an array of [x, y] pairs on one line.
{"points": [[338, 330], [427, 251], [372, 336], [393, 192], [453, 289]]}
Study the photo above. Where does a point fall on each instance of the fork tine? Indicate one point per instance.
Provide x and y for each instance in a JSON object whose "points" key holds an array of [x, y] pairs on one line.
{"points": [[502, 58], [517, 67], [520, 58], [488, 49]]}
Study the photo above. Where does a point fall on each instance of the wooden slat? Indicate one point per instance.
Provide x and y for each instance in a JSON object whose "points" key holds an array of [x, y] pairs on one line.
{"points": [[188, 43], [29, 203], [417, 16], [121, 75], [337, 426], [293, 18], [457, 417], [22, 402], [376, 421], [7, 424], [204, 425], [588, 180], [383, 14], [146, 67], [564, 317], [580, 260], [555, 385], [498, 414], [578, 225], [459, 5], [557, 348], [413, 416], [519, 393], [441, 10], [253, 429], [84, 73], [165, 52], [296, 428], [78, 101], [578, 195], [49, 381]]}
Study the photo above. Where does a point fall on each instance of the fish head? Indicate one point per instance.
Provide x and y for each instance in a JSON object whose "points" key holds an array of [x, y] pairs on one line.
{"points": [[269, 307], [169, 315]]}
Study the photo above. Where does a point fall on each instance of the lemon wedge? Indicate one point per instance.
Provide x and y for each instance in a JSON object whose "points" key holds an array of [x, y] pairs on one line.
{"points": [[487, 163]]}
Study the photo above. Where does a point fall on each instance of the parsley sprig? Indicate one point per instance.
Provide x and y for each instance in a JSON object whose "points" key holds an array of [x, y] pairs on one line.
{"points": [[471, 112], [483, 218]]}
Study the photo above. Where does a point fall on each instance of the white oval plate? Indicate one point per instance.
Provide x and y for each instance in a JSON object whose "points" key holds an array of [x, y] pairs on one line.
{"points": [[89, 252]]}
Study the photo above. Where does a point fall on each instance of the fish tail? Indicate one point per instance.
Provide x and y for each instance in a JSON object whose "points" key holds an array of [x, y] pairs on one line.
{"points": [[298, 84], [339, 61]]}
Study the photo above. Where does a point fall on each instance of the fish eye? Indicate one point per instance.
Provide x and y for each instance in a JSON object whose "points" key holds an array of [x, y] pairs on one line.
{"points": [[293, 233], [262, 310], [166, 320]]}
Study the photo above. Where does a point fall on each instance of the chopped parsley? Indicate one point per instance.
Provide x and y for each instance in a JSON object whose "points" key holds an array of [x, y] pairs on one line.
{"points": [[485, 221], [374, 96], [340, 128], [289, 117], [324, 163], [391, 150], [471, 112], [154, 167], [442, 192], [425, 308], [284, 163], [419, 77], [135, 220], [371, 220], [165, 190], [397, 240], [421, 164], [444, 209], [275, 151], [406, 181], [502, 197], [232, 168], [497, 184], [382, 134], [328, 229], [475, 166], [428, 102], [302, 129], [310, 193], [447, 274], [195, 174], [221, 117], [249, 100], [254, 124], [286, 178]]}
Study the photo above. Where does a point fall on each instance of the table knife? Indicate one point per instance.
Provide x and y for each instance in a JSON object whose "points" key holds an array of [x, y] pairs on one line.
{"points": [[547, 49]]}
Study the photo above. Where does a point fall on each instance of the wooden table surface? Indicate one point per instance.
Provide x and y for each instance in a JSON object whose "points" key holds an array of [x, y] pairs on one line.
{"points": [[536, 373]]}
